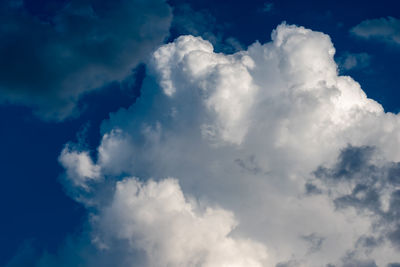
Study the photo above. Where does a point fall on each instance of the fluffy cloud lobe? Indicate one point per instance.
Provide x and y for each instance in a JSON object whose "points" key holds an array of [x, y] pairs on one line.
{"points": [[156, 217], [258, 133]]}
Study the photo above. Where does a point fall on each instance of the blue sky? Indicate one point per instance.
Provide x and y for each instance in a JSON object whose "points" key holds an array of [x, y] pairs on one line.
{"points": [[68, 64]]}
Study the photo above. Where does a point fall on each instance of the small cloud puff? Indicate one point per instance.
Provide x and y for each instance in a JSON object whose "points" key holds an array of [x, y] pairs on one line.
{"points": [[350, 61], [382, 29]]}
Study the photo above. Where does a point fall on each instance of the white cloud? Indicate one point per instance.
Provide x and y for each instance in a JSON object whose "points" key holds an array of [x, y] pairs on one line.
{"points": [[382, 29], [79, 167], [157, 218], [225, 80], [244, 132]]}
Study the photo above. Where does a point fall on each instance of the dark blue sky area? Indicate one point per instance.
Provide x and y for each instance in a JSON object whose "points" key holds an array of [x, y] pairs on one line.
{"points": [[33, 203]]}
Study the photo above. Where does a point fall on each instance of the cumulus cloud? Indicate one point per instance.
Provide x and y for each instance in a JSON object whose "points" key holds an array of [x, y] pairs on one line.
{"points": [[273, 134], [382, 29], [49, 62]]}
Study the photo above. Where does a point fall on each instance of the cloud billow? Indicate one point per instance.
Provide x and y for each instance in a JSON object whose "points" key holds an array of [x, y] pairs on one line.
{"points": [[243, 136]]}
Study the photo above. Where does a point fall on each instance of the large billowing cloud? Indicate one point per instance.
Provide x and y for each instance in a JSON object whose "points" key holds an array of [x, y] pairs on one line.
{"points": [[49, 62], [271, 136], [382, 29]]}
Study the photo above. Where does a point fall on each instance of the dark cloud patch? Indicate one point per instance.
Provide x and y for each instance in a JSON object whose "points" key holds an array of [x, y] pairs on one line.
{"points": [[359, 263], [312, 189], [249, 164], [394, 208], [394, 236], [49, 61], [291, 263], [369, 242], [314, 241], [351, 161], [373, 191], [394, 174], [351, 260], [361, 197]]}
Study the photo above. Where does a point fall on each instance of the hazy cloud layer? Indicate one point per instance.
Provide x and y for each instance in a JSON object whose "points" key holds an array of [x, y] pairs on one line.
{"points": [[273, 136], [382, 29], [49, 62]]}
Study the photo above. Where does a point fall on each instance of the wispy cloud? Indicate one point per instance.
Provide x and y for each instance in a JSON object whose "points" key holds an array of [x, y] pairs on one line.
{"points": [[381, 29], [349, 61], [268, 7]]}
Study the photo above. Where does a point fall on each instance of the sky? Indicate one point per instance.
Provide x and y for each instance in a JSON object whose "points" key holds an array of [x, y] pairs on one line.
{"points": [[199, 133]]}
